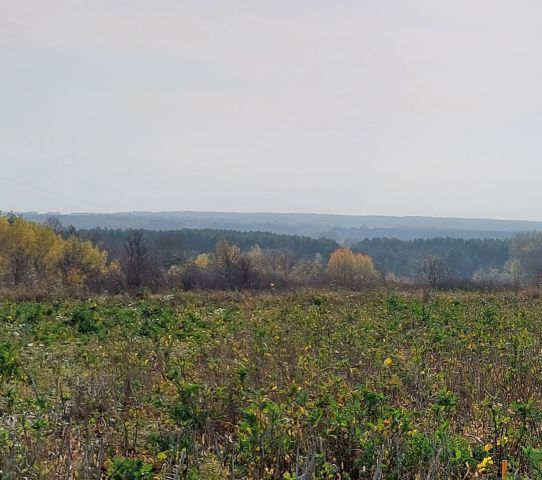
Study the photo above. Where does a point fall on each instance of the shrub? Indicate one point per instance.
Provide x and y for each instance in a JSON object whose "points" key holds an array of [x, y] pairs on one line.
{"points": [[129, 469]]}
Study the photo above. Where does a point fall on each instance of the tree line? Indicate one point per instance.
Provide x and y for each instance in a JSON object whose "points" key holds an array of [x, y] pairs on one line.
{"points": [[174, 246], [53, 257], [463, 257]]}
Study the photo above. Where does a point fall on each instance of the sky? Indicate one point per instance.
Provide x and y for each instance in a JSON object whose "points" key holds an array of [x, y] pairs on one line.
{"points": [[393, 107]]}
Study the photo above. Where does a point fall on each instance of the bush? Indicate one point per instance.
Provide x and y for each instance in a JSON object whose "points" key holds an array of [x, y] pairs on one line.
{"points": [[127, 469]]}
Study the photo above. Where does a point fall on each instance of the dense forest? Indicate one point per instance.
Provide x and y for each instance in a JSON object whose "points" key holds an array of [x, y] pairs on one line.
{"points": [[52, 256], [400, 257], [174, 246], [464, 257]]}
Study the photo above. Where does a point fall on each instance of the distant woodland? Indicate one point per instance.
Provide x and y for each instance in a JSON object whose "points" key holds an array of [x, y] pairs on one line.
{"points": [[342, 228], [52, 257]]}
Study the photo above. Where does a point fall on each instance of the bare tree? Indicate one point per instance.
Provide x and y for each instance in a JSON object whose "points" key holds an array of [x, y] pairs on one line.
{"points": [[247, 276], [433, 271], [54, 224], [226, 257], [137, 259]]}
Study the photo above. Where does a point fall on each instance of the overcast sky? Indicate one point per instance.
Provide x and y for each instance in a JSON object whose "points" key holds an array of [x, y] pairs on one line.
{"points": [[413, 107]]}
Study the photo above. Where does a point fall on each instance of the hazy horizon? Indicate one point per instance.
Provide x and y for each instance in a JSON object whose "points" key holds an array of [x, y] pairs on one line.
{"points": [[348, 108], [271, 213]]}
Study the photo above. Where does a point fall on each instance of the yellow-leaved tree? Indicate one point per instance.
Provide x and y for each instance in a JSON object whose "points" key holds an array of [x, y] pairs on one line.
{"points": [[35, 256], [202, 261], [81, 263], [226, 256], [351, 270]]}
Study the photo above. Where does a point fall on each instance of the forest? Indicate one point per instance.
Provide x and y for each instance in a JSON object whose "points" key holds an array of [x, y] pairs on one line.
{"points": [[464, 257], [52, 257], [300, 260]]}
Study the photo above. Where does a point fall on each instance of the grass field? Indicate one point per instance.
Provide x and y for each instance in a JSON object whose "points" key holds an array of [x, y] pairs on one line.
{"points": [[322, 385]]}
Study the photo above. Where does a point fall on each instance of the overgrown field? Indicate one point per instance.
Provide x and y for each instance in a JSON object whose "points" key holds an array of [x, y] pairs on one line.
{"points": [[308, 385]]}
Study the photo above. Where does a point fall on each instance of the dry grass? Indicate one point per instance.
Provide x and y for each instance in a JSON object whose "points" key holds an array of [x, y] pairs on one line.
{"points": [[293, 386]]}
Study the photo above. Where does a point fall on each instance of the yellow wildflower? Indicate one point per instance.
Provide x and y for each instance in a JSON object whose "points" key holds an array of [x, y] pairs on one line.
{"points": [[388, 362], [484, 464]]}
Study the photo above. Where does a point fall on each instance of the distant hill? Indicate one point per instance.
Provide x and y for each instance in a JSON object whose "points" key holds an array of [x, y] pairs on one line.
{"points": [[343, 228]]}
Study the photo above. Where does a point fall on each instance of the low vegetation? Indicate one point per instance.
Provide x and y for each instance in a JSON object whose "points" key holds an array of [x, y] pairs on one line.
{"points": [[272, 386]]}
